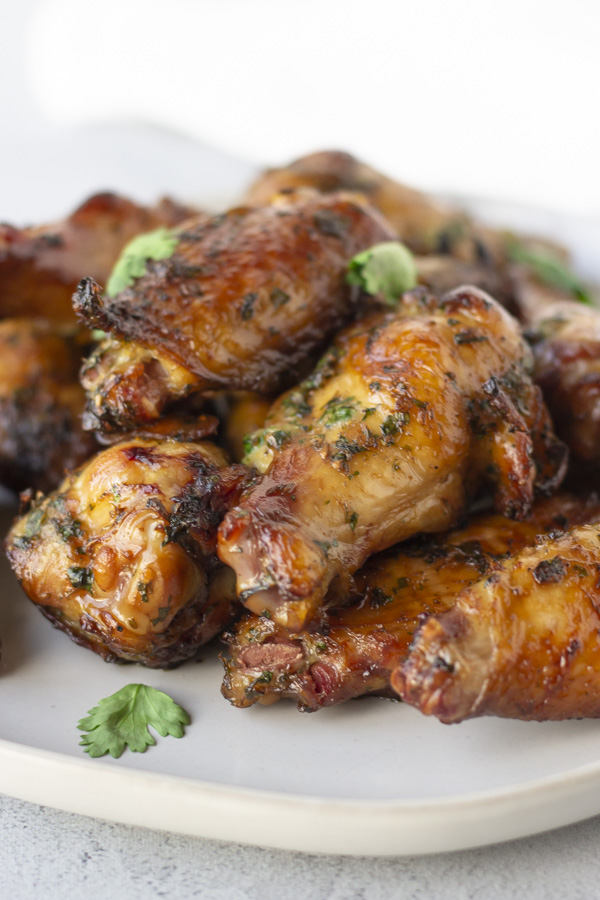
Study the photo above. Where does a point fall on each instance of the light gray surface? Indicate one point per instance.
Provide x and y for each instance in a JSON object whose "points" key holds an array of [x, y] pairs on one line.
{"points": [[51, 854]]}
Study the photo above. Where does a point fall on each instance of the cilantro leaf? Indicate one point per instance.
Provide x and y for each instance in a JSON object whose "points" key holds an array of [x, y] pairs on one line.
{"points": [[122, 720], [131, 264], [550, 270], [388, 269]]}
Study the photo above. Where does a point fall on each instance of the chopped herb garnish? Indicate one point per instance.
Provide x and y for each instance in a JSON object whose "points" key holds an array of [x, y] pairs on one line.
{"points": [[70, 528], [144, 588], [277, 438], [247, 310], [378, 598], [159, 244], [80, 577], [279, 298], [338, 410], [163, 612], [386, 269], [394, 423]]}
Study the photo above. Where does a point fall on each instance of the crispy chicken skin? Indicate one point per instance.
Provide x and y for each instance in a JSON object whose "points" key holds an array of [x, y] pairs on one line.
{"points": [[566, 346], [41, 267], [355, 649], [241, 304], [423, 225], [41, 403], [122, 557], [407, 416], [520, 643]]}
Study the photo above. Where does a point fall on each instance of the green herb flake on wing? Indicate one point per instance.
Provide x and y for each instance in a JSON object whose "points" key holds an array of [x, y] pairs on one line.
{"points": [[159, 244], [386, 269], [122, 720]]}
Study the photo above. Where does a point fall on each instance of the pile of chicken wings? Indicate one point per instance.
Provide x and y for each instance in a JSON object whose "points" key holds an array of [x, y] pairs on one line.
{"points": [[360, 494]]}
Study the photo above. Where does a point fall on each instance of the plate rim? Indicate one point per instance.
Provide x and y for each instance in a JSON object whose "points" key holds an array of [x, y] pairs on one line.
{"points": [[306, 823]]}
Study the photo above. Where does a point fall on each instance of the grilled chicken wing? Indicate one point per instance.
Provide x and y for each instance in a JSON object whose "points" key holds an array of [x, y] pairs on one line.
{"points": [[355, 649], [122, 556], [405, 418], [566, 345], [242, 302], [41, 403], [41, 267], [520, 643], [423, 225]]}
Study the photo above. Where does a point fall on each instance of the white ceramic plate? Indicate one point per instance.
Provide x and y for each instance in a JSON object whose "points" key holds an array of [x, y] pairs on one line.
{"points": [[371, 777]]}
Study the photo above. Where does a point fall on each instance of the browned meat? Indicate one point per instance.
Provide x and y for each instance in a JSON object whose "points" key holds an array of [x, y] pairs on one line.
{"points": [[354, 650], [41, 267], [41, 403], [520, 643], [404, 420], [122, 557], [242, 303]]}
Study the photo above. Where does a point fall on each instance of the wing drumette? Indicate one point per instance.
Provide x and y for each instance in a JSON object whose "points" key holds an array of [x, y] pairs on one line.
{"points": [[409, 413], [41, 267], [242, 302], [122, 556], [357, 647], [520, 643]]}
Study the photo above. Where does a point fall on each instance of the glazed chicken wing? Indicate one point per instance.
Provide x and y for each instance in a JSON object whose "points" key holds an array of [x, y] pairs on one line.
{"points": [[520, 643], [122, 556], [424, 226], [566, 346], [41, 267], [408, 414], [356, 648], [241, 303], [41, 403]]}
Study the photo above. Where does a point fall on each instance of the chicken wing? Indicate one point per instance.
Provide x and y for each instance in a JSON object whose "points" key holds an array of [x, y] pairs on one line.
{"points": [[41, 403], [424, 226], [41, 267], [122, 557], [356, 648], [406, 417], [566, 345], [520, 643], [242, 303]]}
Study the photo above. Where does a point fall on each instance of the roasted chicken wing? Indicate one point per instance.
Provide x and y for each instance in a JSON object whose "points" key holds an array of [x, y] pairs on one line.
{"points": [[522, 642], [122, 556], [241, 303], [356, 648], [41, 403], [424, 226], [566, 345], [404, 420], [41, 267]]}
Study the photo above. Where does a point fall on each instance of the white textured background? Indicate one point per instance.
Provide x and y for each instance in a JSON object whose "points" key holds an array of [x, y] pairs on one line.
{"points": [[526, 77]]}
